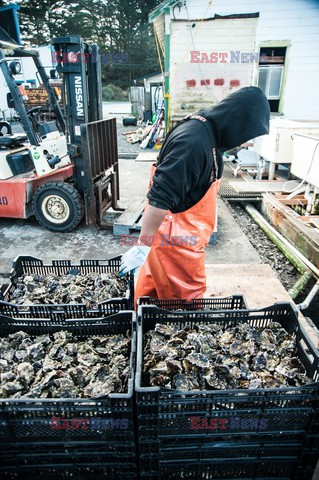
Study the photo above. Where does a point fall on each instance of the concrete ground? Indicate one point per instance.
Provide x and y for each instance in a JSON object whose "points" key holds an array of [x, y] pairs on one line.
{"points": [[118, 108], [26, 237]]}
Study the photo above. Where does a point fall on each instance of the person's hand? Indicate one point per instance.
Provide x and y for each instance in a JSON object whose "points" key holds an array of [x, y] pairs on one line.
{"points": [[133, 259]]}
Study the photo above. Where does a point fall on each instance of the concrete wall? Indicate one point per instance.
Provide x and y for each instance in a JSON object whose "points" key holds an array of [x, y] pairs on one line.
{"points": [[291, 23]]}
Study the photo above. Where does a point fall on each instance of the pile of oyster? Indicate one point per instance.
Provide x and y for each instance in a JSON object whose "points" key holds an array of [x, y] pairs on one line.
{"points": [[213, 357], [61, 365], [90, 289]]}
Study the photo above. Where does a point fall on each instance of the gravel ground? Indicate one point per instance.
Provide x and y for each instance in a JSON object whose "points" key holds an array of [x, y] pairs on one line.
{"points": [[123, 145], [267, 251]]}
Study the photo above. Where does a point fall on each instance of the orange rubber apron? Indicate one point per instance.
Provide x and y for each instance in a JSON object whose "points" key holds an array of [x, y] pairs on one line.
{"points": [[175, 266]]}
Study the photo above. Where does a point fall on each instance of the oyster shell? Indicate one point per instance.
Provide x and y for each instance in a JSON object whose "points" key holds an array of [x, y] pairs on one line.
{"points": [[61, 366], [90, 289], [211, 356]]}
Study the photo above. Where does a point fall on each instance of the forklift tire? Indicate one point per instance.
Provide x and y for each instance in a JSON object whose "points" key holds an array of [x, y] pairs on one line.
{"points": [[58, 206]]}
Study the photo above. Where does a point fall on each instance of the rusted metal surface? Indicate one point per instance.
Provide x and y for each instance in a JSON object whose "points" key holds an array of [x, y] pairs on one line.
{"points": [[99, 141], [290, 224]]}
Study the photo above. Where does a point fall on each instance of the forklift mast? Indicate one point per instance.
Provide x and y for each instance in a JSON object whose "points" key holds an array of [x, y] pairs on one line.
{"points": [[79, 65], [20, 51], [92, 139]]}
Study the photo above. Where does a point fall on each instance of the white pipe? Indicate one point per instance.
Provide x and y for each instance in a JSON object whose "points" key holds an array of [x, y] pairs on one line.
{"points": [[311, 295], [309, 198], [284, 188], [296, 192]]}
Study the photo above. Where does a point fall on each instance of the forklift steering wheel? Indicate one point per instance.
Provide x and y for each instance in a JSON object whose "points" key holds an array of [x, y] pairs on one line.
{"points": [[34, 111]]}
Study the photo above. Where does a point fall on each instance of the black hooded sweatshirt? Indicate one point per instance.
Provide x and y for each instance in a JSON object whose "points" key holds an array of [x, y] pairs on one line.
{"points": [[191, 156]]}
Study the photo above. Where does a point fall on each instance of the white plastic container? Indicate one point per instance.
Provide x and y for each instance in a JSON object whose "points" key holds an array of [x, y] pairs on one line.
{"points": [[305, 163], [277, 147]]}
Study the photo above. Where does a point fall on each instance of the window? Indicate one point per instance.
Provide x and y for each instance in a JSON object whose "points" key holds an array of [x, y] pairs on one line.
{"points": [[270, 79]]}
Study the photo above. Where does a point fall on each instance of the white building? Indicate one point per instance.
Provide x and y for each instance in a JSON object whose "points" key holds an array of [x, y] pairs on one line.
{"points": [[273, 44]]}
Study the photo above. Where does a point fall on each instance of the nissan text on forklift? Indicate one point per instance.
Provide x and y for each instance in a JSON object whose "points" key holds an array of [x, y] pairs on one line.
{"points": [[63, 169]]}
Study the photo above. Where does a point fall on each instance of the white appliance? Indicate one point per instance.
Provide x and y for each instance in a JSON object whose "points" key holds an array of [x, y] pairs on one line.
{"points": [[277, 147], [305, 163]]}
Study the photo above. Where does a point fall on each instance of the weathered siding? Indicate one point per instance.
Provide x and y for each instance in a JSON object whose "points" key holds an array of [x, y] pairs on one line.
{"points": [[295, 22], [159, 29], [187, 88]]}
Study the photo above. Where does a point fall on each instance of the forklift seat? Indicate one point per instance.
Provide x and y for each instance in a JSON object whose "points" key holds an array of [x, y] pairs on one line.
{"points": [[12, 140]]}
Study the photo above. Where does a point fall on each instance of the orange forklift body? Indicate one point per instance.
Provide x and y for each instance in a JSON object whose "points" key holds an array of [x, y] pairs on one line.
{"points": [[16, 192]]}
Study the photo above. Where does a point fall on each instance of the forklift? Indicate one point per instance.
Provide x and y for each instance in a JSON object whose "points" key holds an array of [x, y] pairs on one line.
{"points": [[64, 169]]}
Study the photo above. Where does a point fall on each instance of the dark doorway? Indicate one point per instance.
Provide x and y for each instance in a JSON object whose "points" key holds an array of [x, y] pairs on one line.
{"points": [[271, 70]]}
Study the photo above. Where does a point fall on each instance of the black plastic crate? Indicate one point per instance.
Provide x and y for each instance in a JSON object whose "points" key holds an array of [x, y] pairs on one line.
{"points": [[62, 472], [31, 265], [226, 469], [290, 448], [288, 455], [111, 460], [232, 302], [237, 446], [165, 414], [32, 420]]}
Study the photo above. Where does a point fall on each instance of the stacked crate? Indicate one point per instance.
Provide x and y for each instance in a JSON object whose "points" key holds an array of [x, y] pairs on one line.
{"points": [[39, 96], [275, 432], [27, 265], [31, 445]]}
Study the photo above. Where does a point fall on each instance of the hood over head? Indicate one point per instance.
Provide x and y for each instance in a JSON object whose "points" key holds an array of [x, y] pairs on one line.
{"points": [[241, 116]]}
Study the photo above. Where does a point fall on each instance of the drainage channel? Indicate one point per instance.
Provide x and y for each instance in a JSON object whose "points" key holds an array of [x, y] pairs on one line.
{"points": [[292, 272]]}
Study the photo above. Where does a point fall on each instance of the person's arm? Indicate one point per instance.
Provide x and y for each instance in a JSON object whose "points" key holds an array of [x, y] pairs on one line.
{"points": [[151, 222], [136, 256], [172, 181]]}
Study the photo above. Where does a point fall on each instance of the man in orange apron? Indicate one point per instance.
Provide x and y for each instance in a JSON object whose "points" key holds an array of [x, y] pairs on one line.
{"points": [[180, 214]]}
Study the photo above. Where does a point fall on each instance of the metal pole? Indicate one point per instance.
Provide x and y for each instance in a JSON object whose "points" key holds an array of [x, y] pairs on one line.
{"points": [[18, 100], [52, 97]]}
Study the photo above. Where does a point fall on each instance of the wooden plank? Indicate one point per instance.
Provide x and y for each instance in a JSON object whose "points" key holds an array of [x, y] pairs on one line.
{"points": [[294, 201], [149, 156], [310, 218], [257, 186], [126, 222], [288, 223], [129, 216]]}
